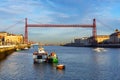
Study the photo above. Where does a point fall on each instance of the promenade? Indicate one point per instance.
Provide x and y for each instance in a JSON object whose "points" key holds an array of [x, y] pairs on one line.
{"points": [[6, 50]]}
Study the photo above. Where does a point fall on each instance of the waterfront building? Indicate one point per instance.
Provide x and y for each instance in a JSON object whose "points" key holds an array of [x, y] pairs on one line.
{"points": [[13, 39], [99, 38], [2, 34], [102, 38], [7, 38], [115, 37], [77, 40], [0, 40], [81, 41]]}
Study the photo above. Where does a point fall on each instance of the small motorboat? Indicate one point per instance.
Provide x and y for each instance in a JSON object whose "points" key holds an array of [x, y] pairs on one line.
{"points": [[99, 49], [40, 55], [60, 66]]}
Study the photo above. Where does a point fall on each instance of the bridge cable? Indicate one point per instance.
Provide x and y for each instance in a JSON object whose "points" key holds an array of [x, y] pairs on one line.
{"points": [[11, 26], [110, 27]]}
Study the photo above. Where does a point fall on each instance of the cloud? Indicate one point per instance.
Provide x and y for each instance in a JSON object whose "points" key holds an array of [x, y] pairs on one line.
{"points": [[59, 12], [19, 7]]}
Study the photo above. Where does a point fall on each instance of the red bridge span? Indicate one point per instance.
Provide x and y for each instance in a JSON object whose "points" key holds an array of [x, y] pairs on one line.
{"points": [[93, 26]]}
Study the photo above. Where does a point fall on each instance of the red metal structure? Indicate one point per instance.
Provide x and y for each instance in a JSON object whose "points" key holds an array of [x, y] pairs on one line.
{"points": [[94, 32]]}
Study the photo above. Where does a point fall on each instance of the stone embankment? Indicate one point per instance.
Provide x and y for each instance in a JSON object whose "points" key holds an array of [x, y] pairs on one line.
{"points": [[9, 49]]}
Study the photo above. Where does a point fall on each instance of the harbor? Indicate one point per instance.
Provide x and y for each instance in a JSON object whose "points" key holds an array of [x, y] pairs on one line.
{"points": [[81, 64], [59, 40]]}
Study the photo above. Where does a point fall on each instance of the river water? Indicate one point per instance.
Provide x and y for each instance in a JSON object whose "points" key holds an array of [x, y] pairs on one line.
{"points": [[81, 64]]}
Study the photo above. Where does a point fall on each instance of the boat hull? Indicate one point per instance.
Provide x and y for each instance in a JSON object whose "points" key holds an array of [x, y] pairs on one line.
{"points": [[60, 67], [43, 57], [52, 60], [39, 58]]}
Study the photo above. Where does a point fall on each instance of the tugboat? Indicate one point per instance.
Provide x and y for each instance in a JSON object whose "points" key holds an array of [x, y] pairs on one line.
{"points": [[52, 58], [40, 55]]}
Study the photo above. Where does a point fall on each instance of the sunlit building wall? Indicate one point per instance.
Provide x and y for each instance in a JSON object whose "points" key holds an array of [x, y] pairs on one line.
{"points": [[13, 39], [3, 34], [0, 40], [99, 38]]}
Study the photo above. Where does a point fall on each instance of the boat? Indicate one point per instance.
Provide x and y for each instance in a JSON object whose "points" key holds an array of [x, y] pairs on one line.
{"points": [[99, 49], [60, 66], [25, 48], [40, 55], [52, 58]]}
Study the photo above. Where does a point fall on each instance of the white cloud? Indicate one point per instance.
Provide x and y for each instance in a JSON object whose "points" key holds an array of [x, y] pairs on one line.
{"points": [[19, 6], [47, 11]]}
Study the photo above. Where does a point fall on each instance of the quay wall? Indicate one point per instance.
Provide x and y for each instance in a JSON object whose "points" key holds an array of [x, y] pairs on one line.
{"points": [[6, 50], [108, 45], [97, 45]]}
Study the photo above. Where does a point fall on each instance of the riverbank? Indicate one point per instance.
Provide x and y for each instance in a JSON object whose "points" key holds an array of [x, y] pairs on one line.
{"points": [[6, 50], [107, 45], [97, 45]]}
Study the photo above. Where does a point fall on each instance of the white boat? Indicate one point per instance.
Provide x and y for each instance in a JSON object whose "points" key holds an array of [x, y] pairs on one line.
{"points": [[99, 49], [40, 55], [26, 48]]}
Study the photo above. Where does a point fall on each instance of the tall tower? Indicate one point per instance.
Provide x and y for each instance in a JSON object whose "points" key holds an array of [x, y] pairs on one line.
{"points": [[26, 32], [94, 32]]}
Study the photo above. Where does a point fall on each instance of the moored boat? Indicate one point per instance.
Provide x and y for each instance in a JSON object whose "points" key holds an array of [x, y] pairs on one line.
{"points": [[40, 55], [25, 48], [52, 58], [60, 66]]}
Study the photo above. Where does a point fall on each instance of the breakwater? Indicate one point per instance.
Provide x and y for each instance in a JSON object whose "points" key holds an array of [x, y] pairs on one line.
{"points": [[9, 49]]}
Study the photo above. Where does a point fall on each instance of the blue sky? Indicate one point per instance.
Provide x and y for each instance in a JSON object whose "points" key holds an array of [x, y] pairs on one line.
{"points": [[13, 12]]}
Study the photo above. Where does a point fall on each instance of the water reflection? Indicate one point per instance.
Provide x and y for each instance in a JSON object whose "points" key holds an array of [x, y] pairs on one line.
{"points": [[81, 64], [102, 59], [47, 70], [106, 65]]}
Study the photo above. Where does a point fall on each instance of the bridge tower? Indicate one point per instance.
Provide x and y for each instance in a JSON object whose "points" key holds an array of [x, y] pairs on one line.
{"points": [[26, 32], [94, 32]]}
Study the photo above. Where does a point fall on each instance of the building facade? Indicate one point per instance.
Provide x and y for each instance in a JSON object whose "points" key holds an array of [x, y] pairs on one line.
{"points": [[81, 41], [13, 39], [115, 37], [2, 37], [99, 38], [102, 38], [6, 38], [3, 34]]}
